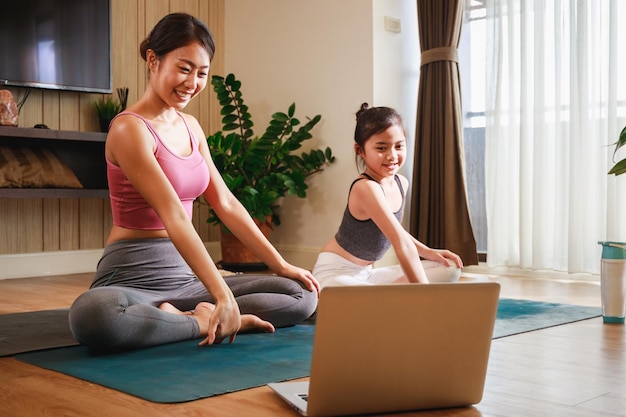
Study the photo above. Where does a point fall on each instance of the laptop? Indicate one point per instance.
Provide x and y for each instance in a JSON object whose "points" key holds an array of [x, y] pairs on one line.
{"points": [[398, 347]]}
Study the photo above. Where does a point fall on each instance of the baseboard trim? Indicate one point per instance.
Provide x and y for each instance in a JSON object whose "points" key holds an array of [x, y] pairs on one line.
{"points": [[23, 265]]}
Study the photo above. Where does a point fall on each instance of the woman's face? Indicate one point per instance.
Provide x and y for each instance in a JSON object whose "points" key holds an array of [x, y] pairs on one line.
{"points": [[180, 75], [384, 153]]}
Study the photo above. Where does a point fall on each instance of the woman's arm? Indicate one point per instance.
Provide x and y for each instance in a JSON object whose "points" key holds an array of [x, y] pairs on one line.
{"points": [[131, 146]]}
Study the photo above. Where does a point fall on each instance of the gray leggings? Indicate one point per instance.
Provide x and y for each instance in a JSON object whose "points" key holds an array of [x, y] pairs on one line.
{"points": [[120, 310]]}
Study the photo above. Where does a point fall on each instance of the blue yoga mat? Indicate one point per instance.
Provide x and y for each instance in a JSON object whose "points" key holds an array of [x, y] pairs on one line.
{"points": [[520, 316], [184, 371]]}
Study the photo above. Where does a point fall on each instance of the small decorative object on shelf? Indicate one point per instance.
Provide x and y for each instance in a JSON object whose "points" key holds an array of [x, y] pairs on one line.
{"points": [[9, 114]]}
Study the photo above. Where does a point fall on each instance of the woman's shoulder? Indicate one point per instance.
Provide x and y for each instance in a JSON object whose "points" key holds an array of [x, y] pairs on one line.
{"points": [[128, 134], [128, 124], [189, 119], [193, 124]]}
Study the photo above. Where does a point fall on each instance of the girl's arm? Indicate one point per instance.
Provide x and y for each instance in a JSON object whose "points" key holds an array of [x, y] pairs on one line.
{"points": [[439, 255], [372, 203], [443, 256], [131, 146], [237, 219]]}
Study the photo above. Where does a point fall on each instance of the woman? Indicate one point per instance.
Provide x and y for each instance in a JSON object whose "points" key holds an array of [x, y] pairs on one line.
{"points": [[155, 282], [371, 220]]}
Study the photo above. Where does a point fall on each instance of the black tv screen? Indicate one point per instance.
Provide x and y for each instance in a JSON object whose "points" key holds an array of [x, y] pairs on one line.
{"points": [[56, 44]]}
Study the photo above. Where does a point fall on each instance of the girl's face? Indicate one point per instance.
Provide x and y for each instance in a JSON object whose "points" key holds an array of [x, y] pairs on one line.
{"points": [[180, 75], [384, 153]]}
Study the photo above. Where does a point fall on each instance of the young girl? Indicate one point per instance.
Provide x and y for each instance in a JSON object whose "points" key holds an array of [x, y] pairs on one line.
{"points": [[371, 220], [155, 282]]}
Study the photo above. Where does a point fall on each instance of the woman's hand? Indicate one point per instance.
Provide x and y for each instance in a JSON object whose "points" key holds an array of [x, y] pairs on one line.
{"points": [[300, 274], [224, 321]]}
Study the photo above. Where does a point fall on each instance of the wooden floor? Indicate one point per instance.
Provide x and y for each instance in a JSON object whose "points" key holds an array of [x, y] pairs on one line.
{"points": [[577, 369]]}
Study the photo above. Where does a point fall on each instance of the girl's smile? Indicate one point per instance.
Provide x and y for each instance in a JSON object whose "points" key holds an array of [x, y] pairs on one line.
{"points": [[384, 152]]}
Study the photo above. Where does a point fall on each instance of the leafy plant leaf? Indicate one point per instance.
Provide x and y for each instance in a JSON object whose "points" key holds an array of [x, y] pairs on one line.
{"points": [[261, 170]]}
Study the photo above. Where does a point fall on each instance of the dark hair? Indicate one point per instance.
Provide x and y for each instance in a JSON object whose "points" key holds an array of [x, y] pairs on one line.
{"points": [[373, 120], [175, 31]]}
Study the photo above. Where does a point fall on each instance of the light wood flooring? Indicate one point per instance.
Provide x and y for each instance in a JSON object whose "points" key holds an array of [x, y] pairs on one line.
{"points": [[577, 369]]}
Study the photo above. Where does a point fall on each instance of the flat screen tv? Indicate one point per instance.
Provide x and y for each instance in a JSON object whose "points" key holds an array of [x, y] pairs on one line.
{"points": [[56, 44]]}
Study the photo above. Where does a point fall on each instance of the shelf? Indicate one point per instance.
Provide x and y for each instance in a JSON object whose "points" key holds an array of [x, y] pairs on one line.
{"points": [[51, 134], [53, 193], [83, 152]]}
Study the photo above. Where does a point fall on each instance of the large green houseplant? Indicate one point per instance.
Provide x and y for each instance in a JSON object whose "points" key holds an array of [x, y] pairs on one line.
{"points": [[259, 170], [620, 167]]}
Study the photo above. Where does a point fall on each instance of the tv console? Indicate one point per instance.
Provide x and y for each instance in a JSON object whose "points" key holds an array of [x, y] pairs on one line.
{"points": [[83, 152]]}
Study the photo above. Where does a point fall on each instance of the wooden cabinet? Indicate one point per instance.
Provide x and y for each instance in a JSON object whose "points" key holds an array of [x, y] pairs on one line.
{"points": [[82, 152]]}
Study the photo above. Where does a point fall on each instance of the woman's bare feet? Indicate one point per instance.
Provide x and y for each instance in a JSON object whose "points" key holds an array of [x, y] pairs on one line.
{"points": [[249, 322], [252, 322], [171, 309]]}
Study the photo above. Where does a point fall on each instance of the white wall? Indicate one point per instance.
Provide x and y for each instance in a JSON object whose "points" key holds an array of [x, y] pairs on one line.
{"points": [[396, 68], [328, 57]]}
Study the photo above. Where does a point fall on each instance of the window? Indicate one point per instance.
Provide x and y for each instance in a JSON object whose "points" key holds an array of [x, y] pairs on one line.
{"points": [[472, 67]]}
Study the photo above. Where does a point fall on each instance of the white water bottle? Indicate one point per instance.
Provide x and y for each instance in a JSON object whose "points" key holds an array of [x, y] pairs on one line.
{"points": [[613, 282]]}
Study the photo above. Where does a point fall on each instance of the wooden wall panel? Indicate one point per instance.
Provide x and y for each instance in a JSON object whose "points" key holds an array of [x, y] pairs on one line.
{"points": [[32, 111], [8, 219], [35, 225], [69, 237], [51, 107], [69, 114], [51, 231], [90, 223], [125, 53]]}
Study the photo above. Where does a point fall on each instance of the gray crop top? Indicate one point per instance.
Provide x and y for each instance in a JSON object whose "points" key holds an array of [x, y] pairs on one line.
{"points": [[362, 238]]}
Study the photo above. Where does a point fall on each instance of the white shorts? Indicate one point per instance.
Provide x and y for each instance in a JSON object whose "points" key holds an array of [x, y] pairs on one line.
{"points": [[332, 269]]}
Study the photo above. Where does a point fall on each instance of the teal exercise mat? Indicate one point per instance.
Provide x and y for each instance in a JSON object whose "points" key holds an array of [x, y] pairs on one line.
{"points": [[184, 371], [521, 316]]}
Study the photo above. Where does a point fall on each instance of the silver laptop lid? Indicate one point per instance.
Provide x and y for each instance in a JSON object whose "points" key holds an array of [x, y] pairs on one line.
{"points": [[401, 347]]}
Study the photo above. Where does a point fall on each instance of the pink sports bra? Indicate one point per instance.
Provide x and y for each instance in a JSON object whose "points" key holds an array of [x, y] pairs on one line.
{"points": [[189, 175]]}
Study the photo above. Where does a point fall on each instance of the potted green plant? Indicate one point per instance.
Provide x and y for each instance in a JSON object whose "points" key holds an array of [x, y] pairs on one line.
{"points": [[260, 170], [620, 167], [107, 107]]}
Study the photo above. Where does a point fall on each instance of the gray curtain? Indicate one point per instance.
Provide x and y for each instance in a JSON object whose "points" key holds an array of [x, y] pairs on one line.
{"points": [[440, 214]]}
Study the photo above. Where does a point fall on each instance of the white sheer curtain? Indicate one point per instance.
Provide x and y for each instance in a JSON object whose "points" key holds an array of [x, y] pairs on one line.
{"points": [[556, 92]]}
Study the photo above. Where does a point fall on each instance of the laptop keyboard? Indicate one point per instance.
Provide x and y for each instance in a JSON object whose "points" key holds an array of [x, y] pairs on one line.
{"points": [[305, 397]]}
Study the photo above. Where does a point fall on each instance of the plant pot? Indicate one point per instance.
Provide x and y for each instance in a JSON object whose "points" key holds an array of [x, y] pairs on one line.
{"points": [[104, 124], [236, 256]]}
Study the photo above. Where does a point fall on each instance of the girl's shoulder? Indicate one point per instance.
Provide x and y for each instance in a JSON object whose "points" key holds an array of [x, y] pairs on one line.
{"points": [[363, 186], [404, 181]]}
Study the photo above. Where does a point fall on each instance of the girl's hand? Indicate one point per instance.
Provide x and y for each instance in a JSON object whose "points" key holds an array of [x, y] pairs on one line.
{"points": [[225, 321], [302, 275], [443, 256]]}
